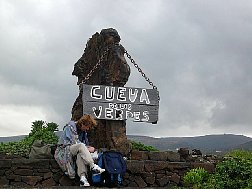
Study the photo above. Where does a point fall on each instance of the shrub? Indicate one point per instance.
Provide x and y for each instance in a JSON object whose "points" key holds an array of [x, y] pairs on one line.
{"points": [[234, 172], [240, 154], [140, 146], [40, 131], [196, 177]]}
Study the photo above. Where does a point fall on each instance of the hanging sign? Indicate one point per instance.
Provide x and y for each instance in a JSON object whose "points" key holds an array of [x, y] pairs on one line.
{"points": [[120, 103]]}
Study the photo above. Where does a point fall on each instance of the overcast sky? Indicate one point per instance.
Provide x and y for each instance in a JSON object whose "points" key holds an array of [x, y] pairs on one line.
{"points": [[198, 53]]}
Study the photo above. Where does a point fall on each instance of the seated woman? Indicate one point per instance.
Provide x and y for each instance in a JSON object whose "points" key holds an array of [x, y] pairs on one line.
{"points": [[69, 145]]}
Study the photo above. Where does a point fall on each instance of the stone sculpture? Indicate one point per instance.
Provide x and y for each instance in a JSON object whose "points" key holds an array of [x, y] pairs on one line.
{"points": [[112, 71]]}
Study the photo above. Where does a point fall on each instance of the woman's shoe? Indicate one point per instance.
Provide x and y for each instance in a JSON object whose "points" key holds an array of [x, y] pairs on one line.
{"points": [[84, 182], [97, 169]]}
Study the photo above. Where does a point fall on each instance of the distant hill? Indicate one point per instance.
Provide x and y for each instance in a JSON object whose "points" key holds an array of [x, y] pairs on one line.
{"points": [[19, 137], [207, 143], [245, 146], [12, 138]]}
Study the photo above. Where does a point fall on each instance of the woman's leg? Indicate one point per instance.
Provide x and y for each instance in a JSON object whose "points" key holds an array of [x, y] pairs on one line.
{"points": [[81, 166], [84, 158]]}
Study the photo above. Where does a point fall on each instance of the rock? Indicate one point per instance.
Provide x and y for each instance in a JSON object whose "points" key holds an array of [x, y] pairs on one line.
{"points": [[183, 151], [35, 163], [132, 184], [150, 180], [11, 176], [163, 181], [175, 178], [158, 156], [31, 180], [43, 170], [140, 182], [209, 167], [48, 175], [4, 181], [19, 184], [149, 177], [114, 71], [65, 181], [48, 182], [160, 175], [139, 155], [54, 164], [151, 166], [57, 176], [2, 172], [5, 163], [24, 172], [173, 156], [184, 154], [135, 166], [196, 152]]}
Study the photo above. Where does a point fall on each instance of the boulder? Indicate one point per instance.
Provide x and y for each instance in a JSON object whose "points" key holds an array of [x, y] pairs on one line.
{"points": [[112, 71]]}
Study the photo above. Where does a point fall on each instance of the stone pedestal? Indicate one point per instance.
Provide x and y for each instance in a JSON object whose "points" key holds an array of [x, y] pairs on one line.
{"points": [[148, 172]]}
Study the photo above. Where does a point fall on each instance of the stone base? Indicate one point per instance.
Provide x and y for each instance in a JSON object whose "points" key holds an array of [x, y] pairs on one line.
{"points": [[147, 172]]}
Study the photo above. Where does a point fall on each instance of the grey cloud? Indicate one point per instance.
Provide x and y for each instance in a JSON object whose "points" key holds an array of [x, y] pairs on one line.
{"points": [[196, 52]]}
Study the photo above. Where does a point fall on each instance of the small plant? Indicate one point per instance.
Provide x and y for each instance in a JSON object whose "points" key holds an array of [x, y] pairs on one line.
{"points": [[40, 131], [196, 177], [235, 171], [140, 146], [240, 154], [43, 131]]}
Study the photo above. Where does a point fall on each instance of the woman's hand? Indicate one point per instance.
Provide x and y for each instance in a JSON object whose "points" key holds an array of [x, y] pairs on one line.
{"points": [[91, 149]]}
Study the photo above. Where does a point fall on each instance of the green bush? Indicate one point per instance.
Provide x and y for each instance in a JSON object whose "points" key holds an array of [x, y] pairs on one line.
{"points": [[140, 146], [234, 172], [43, 131], [40, 131], [196, 177], [240, 154]]}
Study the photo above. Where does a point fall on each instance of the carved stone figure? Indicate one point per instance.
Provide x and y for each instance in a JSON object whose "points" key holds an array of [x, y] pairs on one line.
{"points": [[112, 71]]}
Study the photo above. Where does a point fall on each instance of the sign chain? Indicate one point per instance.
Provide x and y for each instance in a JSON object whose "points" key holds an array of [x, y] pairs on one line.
{"points": [[141, 71], [95, 67], [132, 61]]}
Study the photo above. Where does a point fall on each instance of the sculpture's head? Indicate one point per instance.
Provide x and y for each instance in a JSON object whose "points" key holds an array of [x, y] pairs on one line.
{"points": [[110, 35], [115, 71]]}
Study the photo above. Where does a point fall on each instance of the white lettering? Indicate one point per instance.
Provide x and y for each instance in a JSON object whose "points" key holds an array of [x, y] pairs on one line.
{"points": [[108, 113], [144, 96], [121, 91], [119, 114], [119, 106], [145, 115], [97, 112], [111, 105], [129, 106], [119, 103], [129, 115], [93, 94], [131, 94], [136, 116], [109, 93]]}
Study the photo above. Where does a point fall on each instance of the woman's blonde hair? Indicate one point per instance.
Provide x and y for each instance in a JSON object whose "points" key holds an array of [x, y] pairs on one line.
{"points": [[86, 120]]}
